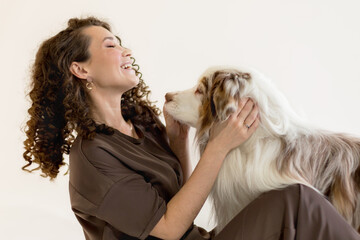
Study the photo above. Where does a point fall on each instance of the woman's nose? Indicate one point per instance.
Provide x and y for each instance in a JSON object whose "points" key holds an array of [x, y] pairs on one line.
{"points": [[126, 52]]}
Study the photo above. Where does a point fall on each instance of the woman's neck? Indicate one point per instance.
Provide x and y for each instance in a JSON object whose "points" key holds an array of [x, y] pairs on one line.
{"points": [[106, 109]]}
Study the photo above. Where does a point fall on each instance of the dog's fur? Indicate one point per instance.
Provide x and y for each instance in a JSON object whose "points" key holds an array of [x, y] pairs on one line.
{"points": [[283, 150]]}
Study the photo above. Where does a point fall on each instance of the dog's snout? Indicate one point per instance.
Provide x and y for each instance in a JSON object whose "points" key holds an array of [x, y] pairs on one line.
{"points": [[169, 97]]}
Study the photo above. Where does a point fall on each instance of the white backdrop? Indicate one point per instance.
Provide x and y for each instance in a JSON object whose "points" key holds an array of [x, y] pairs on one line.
{"points": [[310, 49]]}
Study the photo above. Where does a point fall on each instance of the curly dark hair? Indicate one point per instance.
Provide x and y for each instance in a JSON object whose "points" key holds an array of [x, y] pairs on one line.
{"points": [[60, 102]]}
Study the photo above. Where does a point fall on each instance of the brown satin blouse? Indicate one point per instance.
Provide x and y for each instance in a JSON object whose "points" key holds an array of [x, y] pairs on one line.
{"points": [[119, 186]]}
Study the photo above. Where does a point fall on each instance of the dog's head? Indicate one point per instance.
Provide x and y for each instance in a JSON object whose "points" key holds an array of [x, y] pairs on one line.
{"points": [[214, 97]]}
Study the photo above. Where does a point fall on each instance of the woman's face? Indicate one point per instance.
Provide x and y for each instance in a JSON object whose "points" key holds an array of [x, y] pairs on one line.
{"points": [[108, 61]]}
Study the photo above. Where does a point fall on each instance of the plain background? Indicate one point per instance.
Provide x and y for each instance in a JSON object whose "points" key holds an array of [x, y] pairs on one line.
{"points": [[309, 48]]}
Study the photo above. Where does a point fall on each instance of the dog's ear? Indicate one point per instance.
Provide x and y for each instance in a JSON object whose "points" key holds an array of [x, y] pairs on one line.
{"points": [[225, 92]]}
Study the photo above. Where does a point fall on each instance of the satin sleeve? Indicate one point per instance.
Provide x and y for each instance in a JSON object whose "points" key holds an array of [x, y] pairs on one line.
{"points": [[131, 205]]}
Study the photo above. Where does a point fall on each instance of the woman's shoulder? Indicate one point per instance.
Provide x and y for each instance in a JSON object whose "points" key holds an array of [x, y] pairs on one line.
{"points": [[97, 149], [84, 176], [90, 147], [97, 159]]}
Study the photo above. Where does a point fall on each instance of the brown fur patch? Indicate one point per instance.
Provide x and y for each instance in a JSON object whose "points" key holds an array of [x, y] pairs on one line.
{"points": [[204, 82], [215, 99], [327, 162], [222, 97]]}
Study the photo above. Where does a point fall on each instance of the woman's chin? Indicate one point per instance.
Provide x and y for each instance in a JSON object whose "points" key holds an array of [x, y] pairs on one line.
{"points": [[136, 80], [132, 76], [133, 82]]}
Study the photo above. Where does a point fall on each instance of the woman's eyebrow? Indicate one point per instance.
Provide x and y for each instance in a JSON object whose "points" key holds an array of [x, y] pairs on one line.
{"points": [[111, 38]]}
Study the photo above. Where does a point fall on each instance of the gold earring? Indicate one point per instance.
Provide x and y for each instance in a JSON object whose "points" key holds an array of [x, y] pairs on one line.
{"points": [[89, 85]]}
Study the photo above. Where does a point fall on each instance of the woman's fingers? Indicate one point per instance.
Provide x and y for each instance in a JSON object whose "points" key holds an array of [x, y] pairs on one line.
{"points": [[174, 127], [233, 132], [245, 111], [254, 125], [250, 119], [241, 105], [168, 118]]}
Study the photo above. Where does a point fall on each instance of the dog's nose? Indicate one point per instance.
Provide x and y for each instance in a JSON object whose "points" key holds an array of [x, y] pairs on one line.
{"points": [[169, 97]]}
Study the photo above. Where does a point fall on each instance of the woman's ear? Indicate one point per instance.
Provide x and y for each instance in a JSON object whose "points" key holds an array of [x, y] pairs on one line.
{"points": [[78, 70]]}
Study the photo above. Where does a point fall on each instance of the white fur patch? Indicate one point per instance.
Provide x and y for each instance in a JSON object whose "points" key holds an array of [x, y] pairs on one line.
{"points": [[185, 107], [231, 87]]}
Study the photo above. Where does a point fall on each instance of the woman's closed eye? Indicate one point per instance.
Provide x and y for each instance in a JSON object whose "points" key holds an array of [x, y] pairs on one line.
{"points": [[110, 44]]}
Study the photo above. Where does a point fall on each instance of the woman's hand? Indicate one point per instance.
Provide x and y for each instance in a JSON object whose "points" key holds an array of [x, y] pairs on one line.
{"points": [[177, 134], [237, 128], [179, 143]]}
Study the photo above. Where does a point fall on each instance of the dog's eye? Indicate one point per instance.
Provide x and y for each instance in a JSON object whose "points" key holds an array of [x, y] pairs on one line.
{"points": [[198, 91]]}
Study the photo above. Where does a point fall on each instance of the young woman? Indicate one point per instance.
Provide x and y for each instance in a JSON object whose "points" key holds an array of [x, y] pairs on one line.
{"points": [[130, 176]]}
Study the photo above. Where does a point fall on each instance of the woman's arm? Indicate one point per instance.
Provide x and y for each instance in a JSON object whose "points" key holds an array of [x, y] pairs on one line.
{"points": [[186, 165], [179, 143], [183, 208]]}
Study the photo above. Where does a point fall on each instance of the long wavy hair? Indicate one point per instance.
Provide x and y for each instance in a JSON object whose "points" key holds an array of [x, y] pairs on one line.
{"points": [[60, 102]]}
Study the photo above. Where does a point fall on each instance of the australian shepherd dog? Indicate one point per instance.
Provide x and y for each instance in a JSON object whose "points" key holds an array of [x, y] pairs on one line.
{"points": [[283, 150]]}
